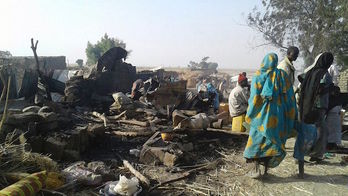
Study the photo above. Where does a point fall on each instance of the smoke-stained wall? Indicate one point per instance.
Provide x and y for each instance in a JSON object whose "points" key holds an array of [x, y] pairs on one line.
{"points": [[46, 62]]}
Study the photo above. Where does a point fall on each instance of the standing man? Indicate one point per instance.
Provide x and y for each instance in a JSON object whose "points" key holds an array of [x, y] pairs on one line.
{"points": [[286, 64]]}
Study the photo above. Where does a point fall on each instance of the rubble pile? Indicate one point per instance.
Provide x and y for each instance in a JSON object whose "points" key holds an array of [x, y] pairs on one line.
{"points": [[78, 90], [97, 130]]}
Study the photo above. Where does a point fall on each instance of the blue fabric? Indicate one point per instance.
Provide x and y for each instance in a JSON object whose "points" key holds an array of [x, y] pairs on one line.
{"points": [[306, 138], [271, 113], [198, 86], [323, 101], [211, 89]]}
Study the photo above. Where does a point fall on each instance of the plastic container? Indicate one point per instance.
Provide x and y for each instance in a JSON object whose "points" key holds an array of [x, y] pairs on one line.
{"points": [[237, 123], [223, 107], [166, 136]]}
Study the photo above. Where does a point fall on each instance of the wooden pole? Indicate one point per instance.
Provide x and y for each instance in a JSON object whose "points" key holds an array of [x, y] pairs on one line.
{"points": [[34, 47], [4, 114], [3, 93], [43, 79], [135, 122], [137, 174]]}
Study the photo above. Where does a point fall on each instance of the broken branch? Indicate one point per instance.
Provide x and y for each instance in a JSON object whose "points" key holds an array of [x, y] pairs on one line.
{"points": [[41, 77], [3, 93], [151, 140], [135, 122], [117, 116], [4, 115], [183, 176], [133, 133], [100, 116], [210, 165], [136, 173]]}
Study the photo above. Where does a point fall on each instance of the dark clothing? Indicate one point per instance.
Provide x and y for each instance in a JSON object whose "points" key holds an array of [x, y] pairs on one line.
{"points": [[313, 91], [310, 96], [324, 88], [314, 101], [319, 147], [341, 99]]}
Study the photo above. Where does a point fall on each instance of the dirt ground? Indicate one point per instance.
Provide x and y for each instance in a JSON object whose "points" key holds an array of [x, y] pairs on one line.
{"points": [[230, 178]]}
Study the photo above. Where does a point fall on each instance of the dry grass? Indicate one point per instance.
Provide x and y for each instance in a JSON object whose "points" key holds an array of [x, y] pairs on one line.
{"points": [[229, 178], [329, 178], [14, 158]]}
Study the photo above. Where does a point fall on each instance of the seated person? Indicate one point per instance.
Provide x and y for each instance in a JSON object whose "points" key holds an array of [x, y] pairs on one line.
{"points": [[212, 94], [136, 89], [238, 99]]}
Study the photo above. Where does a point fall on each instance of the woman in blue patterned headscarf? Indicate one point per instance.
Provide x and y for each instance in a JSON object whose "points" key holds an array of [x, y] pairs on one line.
{"points": [[271, 114]]}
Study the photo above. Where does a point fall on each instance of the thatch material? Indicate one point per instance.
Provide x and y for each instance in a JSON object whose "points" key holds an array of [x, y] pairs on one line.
{"points": [[14, 157]]}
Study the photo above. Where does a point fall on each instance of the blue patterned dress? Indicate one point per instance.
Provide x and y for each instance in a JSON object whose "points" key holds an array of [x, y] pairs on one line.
{"points": [[271, 113]]}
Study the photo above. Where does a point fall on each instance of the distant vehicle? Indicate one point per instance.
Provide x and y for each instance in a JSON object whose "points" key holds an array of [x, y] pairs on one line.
{"points": [[203, 65]]}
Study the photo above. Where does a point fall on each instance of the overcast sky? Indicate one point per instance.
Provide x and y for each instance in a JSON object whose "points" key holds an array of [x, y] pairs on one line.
{"points": [[159, 32]]}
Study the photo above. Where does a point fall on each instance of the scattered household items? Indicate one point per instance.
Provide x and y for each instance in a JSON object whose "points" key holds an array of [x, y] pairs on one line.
{"points": [[78, 172], [125, 186], [237, 123], [137, 131], [28, 186]]}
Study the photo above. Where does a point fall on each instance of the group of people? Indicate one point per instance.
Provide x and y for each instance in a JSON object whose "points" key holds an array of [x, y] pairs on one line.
{"points": [[275, 114]]}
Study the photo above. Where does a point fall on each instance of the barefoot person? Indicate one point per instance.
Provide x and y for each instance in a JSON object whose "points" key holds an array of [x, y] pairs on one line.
{"points": [[271, 115]]}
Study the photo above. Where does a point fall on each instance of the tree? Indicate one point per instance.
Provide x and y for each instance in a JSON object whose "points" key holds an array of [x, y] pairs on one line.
{"points": [[79, 62], [312, 25], [95, 51], [5, 54]]}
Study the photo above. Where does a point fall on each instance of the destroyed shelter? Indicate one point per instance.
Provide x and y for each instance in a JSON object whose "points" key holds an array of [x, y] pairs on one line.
{"points": [[97, 132]]}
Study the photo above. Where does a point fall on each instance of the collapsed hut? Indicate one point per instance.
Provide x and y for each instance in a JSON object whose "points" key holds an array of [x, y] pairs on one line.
{"points": [[80, 131]]}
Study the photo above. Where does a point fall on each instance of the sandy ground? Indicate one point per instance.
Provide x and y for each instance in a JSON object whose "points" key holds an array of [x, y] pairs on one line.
{"points": [[230, 178], [327, 178]]}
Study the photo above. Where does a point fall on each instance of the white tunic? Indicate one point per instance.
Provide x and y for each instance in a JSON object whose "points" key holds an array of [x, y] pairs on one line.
{"points": [[238, 101]]}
